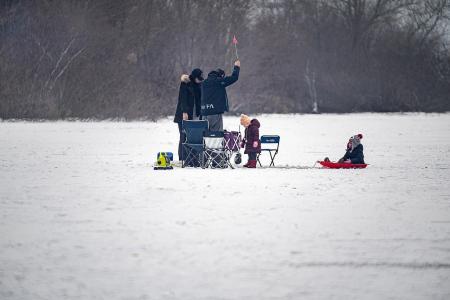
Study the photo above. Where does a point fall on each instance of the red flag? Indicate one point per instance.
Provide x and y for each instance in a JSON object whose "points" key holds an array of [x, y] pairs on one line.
{"points": [[235, 41]]}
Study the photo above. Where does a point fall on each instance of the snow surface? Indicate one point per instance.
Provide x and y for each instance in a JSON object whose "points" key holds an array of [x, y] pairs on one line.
{"points": [[84, 216]]}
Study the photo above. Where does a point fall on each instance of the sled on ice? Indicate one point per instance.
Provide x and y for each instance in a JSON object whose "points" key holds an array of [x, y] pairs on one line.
{"points": [[336, 165]]}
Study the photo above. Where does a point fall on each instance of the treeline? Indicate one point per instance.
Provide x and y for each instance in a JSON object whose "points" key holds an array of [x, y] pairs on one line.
{"points": [[123, 58]]}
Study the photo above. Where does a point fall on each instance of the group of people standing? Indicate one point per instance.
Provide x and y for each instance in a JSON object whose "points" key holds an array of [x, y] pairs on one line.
{"points": [[206, 98]]}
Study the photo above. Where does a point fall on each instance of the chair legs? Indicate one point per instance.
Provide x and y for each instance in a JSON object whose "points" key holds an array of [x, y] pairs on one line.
{"points": [[193, 157], [206, 158], [216, 159], [257, 159], [272, 158]]}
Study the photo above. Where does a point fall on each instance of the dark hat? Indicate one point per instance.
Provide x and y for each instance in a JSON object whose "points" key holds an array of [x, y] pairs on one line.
{"points": [[197, 73], [217, 72], [220, 72]]}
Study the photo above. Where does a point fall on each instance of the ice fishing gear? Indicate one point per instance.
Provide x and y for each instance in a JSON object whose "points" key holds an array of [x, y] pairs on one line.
{"points": [[163, 161], [235, 42]]}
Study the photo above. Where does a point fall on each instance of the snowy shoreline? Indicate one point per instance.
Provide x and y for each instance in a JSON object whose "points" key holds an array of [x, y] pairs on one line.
{"points": [[144, 120]]}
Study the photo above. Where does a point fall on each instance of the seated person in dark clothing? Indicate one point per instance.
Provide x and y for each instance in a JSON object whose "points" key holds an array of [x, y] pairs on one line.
{"points": [[354, 153]]}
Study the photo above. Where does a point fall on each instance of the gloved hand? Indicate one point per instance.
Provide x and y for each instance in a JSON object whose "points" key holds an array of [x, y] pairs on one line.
{"points": [[255, 144]]}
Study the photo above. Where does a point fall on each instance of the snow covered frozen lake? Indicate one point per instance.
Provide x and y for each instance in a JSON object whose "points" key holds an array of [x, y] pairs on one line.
{"points": [[84, 216]]}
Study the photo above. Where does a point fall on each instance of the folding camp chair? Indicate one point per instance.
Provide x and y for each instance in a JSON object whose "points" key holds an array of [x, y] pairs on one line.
{"points": [[193, 146], [214, 150], [271, 144]]}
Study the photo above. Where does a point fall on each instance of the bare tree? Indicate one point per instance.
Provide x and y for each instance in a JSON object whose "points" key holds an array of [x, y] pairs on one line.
{"points": [[123, 59]]}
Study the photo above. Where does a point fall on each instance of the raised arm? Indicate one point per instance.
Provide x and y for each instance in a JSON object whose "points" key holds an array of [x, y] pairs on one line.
{"points": [[229, 80]]}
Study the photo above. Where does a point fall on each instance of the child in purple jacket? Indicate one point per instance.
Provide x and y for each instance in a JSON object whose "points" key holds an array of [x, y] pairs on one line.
{"points": [[251, 140]]}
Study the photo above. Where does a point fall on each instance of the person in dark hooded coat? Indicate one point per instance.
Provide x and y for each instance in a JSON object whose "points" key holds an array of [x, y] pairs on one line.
{"points": [[214, 100], [189, 101], [251, 140], [355, 151]]}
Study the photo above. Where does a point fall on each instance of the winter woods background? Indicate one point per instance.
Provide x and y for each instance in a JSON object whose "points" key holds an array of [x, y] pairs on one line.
{"points": [[124, 58]]}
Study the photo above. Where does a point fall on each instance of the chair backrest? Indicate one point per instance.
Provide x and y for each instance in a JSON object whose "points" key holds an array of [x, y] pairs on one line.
{"points": [[232, 140], [194, 130], [270, 141], [214, 140]]}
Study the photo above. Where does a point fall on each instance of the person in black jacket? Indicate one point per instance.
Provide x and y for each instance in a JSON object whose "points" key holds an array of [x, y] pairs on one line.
{"points": [[214, 99], [355, 151], [189, 97]]}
